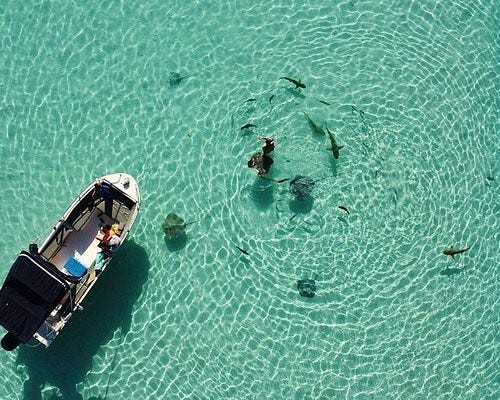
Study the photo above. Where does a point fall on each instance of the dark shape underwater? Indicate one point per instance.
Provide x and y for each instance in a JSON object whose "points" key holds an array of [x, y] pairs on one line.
{"points": [[451, 271], [301, 187], [174, 226], [307, 287], [175, 79]]}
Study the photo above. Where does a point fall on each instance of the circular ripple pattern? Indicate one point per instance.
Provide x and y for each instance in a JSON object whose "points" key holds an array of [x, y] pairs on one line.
{"points": [[409, 90]]}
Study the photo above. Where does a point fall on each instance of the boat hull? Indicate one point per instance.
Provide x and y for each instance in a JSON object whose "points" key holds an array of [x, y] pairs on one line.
{"points": [[70, 259]]}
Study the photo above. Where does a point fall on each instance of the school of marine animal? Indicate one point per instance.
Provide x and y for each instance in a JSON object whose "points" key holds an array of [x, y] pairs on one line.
{"points": [[300, 186]]}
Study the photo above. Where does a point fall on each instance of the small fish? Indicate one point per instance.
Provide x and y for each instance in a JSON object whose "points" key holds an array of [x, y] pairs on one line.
{"points": [[323, 102], [314, 127], [344, 208], [242, 250], [250, 100], [360, 112], [246, 126], [335, 148], [297, 83], [490, 178], [292, 217], [452, 251], [271, 98]]}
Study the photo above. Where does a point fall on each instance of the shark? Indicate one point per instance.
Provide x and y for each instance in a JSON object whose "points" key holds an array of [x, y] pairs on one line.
{"points": [[451, 251], [335, 147], [297, 83]]}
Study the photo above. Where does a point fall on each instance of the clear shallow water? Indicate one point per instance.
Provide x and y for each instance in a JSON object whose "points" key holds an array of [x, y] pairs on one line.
{"points": [[85, 92]]}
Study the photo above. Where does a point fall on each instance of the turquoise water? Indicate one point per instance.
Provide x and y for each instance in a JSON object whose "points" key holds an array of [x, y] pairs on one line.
{"points": [[413, 94]]}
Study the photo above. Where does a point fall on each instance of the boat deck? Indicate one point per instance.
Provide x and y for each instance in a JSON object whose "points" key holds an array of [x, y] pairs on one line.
{"points": [[82, 244]]}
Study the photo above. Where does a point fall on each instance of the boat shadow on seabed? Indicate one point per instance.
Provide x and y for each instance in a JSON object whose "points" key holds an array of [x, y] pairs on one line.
{"points": [[107, 308]]}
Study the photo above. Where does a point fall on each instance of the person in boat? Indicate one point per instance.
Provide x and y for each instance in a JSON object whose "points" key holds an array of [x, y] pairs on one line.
{"points": [[95, 194], [261, 163], [268, 144], [111, 237]]}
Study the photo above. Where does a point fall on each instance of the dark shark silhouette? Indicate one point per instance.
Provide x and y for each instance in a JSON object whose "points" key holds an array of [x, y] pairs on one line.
{"points": [[451, 251], [297, 83], [335, 147]]}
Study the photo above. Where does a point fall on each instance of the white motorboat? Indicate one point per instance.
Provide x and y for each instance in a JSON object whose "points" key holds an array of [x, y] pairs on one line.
{"points": [[48, 283]]}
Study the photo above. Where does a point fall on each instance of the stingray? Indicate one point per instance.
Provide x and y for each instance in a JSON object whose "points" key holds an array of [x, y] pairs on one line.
{"points": [[301, 186], [174, 78], [174, 226]]}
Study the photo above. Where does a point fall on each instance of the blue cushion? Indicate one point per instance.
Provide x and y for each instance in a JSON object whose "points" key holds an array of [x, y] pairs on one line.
{"points": [[75, 267]]}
